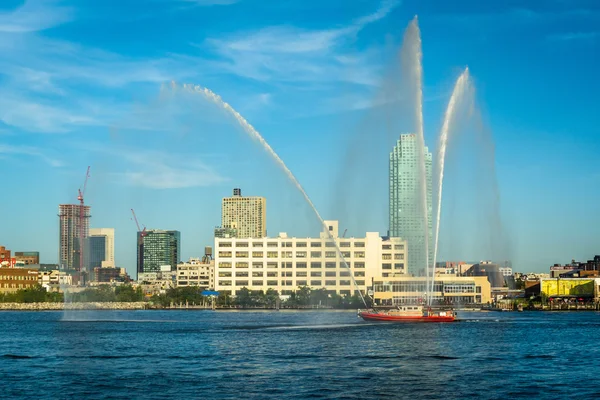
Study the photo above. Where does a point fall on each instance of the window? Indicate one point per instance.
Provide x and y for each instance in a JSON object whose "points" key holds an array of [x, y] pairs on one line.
{"points": [[386, 256], [359, 244], [272, 274], [301, 274], [345, 283], [359, 254], [398, 265], [225, 254], [241, 283], [386, 247], [315, 264], [344, 273], [398, 256], [359, 265], [272, 244], [300, 254], [257, 254], [286, 264], [224, 265], [478, 289], [272, 254], [344, 244], [240, 274], [360, 283], [224, 274], [330, 265], [241, 254], [330, 274], [386, 266], [258, 274], [315, 254], [330, 254], [359, 273], [301, 283], [286, 244], [287, 274], [286, 254], [257, 244], [222, 244], [300, 244], [225, 283], [272, 265], [330, 283], [329, 244], [315, 244], [301, 265], [346, 254], [398, 247], [315, 273], [315, 283], [241, 264], [242, 244], [257, 283], [257, 264]]}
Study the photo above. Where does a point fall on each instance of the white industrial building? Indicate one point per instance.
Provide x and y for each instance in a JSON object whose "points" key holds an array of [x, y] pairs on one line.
{"points": [[285, 263]]}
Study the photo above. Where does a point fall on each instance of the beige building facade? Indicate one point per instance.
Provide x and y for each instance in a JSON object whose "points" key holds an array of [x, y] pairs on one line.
{"points": [[196, 273], [246, 215], [285, 263], [448, 289]]}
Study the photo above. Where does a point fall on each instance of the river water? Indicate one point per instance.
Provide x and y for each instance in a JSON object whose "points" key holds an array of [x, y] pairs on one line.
{"points": [[296, 355]]}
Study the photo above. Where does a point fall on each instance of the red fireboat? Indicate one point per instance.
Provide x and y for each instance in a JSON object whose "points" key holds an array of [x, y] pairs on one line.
{"points": [[408, 314]]}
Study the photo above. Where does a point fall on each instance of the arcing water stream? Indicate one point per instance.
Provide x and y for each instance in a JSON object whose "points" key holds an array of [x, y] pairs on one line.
{"points": [[460, 88], [253, 133]]}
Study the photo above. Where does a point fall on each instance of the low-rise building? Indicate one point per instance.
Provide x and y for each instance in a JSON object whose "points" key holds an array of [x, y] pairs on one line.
{"points": [[157, 282], [28, 257], [13, 279], [54, 280], [285, 263], [566, 288], [447, 289], [196, 272]]}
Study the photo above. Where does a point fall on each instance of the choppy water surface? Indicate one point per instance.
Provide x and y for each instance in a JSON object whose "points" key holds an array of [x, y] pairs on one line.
{"points": [[204, 354]]}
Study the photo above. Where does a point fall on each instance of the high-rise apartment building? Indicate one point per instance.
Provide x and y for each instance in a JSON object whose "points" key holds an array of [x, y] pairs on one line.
{"points": [[74, 223], [157, 248], [406, 210], [100, 248], [246, 216]]}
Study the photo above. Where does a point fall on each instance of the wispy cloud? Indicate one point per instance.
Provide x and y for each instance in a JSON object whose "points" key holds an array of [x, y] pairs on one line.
{"points": [[156, 169], [34, 15], [573, 36], [210, 2], [30, 151], [287, 53]]}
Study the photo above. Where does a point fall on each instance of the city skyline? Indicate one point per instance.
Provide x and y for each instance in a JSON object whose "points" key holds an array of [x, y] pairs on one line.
{"points": [[61, 113]]}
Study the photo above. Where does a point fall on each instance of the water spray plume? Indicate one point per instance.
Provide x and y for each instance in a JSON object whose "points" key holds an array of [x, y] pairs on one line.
{"points": [[253, 133], [460, 88]]}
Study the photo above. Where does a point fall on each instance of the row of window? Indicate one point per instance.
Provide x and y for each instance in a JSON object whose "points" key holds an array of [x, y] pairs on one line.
{"points": [[300, 254], [33, 277], [299, 274], [298, 244], [312, 283], [299, 265]]}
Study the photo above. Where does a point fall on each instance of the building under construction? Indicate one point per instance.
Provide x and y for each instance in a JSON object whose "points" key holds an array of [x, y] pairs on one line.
{"points": [[71, 229]]}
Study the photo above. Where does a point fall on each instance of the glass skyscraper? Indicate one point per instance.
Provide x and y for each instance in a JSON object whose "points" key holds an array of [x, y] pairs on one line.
{"points": [[157, 248], [406, 214]]}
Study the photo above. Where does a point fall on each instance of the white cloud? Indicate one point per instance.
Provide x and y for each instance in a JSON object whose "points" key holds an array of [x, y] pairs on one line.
{"points": [[291, 54], [156, 169], [29, 151], [34, 15]]}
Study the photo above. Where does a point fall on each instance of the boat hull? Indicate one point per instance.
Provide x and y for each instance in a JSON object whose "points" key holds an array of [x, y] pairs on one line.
{"points": [[401, 318]]}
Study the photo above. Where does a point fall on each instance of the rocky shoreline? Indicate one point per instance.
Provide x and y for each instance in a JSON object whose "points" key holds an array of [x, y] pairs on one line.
{"points": [[73, 306]]}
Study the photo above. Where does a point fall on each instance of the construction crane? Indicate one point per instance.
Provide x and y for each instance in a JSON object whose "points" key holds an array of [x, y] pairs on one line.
{"points": [[344, 235], [82, 217], [142, 231]]}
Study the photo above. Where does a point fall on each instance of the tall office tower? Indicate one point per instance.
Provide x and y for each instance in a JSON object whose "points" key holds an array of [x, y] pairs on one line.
{"points": [[157, 248], [74, 223], [247, 216], [100, 248], [406, 211]]}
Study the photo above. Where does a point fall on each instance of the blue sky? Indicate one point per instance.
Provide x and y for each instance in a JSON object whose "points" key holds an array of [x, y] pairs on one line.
{"points": [[80, 85]]}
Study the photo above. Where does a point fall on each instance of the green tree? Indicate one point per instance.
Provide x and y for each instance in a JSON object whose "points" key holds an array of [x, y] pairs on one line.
{"points": [[243, 298], [271, 298]]}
